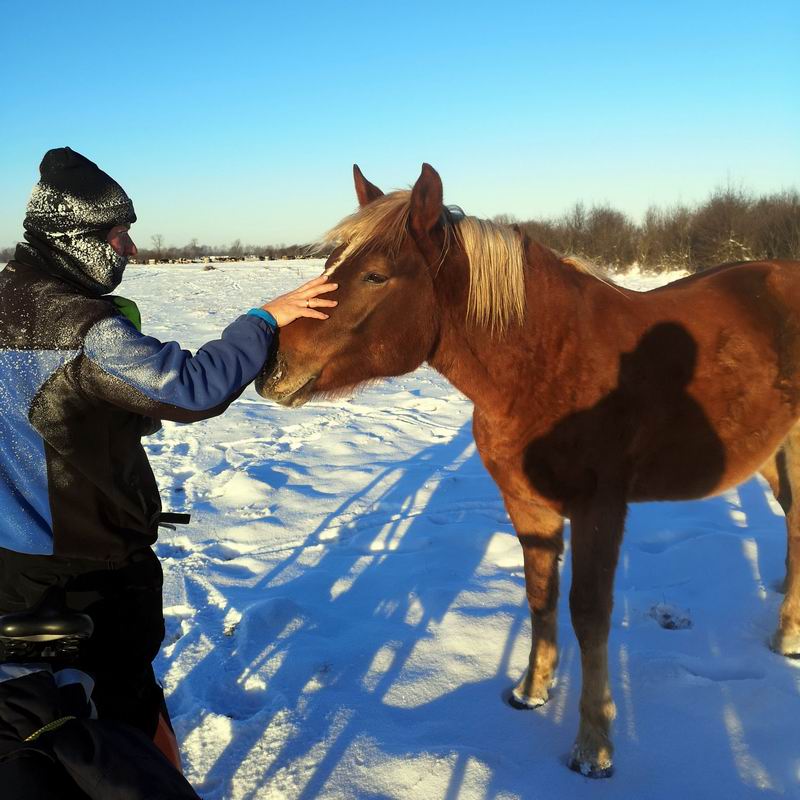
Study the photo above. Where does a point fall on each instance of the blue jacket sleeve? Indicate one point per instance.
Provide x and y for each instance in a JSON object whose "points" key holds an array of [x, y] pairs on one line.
{"points": [[142, 374]]}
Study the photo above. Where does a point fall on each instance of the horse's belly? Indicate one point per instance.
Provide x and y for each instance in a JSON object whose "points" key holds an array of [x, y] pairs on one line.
{"points": [[704, 467]]}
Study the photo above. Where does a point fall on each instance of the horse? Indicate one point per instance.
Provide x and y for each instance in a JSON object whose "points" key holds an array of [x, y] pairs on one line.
{"points": [[587, 396]]}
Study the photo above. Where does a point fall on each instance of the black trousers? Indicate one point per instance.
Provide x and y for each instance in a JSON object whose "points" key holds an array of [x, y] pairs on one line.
{"points": [[124, 601]]}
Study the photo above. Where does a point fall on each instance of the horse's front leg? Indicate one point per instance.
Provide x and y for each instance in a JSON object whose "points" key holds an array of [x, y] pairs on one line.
{"points": [[540, 532], [596, 533]]}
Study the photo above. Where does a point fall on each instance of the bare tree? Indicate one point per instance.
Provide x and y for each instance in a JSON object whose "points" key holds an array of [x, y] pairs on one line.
{"points": [[158, 244], [777, 225], [722, 228], [573, 224], [192, 250], [664, 239], [609, 237]]}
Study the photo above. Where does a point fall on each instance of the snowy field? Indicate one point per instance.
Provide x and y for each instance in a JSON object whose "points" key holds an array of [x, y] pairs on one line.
{"points": [[347, 609]]}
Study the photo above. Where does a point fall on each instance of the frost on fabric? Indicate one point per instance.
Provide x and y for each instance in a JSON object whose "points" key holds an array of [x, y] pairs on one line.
{"points": [[24, 498], [74, 228], [54, 210], [141, 361], [165, 373]]}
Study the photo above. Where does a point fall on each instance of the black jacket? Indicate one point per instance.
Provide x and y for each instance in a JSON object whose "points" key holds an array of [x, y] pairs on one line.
{"points": [[78, 386]]}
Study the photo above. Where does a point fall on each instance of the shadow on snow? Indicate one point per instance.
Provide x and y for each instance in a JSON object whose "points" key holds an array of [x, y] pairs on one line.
{"points": [[338, 641]]}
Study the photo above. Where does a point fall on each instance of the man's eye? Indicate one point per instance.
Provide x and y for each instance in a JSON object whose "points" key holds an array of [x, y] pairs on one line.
{"points": [[375, 277]]}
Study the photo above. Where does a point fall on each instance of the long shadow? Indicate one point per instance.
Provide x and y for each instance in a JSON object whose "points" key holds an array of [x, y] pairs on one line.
{"points": [[390, 594], [382, 604]]}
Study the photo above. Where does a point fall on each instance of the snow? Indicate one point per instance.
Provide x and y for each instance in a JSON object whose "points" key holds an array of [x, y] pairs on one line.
{"points": [[346, 613]]}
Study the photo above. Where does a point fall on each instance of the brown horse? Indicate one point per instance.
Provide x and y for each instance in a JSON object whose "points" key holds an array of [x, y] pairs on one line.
{"points": [[587, 396]]}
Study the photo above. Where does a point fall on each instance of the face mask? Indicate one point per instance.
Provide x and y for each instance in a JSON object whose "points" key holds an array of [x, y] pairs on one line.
{"points": [[68, 233]]}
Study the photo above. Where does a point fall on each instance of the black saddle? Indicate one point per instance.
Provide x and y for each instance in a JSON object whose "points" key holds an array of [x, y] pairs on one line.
{"points": [[49, 630]]}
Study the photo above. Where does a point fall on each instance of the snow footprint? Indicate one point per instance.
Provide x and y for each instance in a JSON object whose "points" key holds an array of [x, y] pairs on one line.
{"points": [[722, 670], [689, 671]]}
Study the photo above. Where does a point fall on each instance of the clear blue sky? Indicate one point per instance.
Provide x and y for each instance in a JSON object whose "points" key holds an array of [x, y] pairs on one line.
{"points": [[236, 119]]}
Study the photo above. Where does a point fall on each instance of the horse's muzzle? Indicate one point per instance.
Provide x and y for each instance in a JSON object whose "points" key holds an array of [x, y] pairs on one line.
{"points": [[275, 382]]}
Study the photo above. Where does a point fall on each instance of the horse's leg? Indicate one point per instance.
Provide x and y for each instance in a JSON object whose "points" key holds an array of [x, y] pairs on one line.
{"points": [[540, 532], [787, 638], [596, 536]]}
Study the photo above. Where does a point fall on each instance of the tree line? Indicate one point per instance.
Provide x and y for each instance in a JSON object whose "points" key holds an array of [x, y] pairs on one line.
{"points": [[196, 251], [730, 225]]}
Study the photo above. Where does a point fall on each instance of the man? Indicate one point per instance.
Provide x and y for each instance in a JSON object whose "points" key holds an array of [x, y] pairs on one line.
{"points": [[79, 386]]}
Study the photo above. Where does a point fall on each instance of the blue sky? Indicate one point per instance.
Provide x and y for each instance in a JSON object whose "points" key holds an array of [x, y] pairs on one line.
{"points": [[242, 119]]}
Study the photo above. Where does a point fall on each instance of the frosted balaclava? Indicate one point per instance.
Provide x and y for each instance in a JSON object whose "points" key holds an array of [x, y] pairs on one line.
{"points": [[69, 215]]}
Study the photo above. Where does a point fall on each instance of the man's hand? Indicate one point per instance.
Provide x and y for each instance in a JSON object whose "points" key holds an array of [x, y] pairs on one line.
{"points": [[302, 302]]}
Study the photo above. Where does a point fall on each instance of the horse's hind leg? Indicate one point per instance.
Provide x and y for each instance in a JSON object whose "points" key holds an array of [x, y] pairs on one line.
{"points": [[596, 536], [540, 532], [783, 475]]}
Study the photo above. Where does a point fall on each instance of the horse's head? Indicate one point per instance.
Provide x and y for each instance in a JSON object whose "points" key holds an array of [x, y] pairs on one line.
{"points": [[386, 321]]}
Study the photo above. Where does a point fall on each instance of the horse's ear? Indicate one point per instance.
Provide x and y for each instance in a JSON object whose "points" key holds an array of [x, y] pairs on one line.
{"points": [[365, 191], [426, 202]]}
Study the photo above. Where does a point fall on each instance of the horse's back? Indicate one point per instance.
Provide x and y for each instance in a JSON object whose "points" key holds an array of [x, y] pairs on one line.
{"points": [[740, 275], [754, 300]]}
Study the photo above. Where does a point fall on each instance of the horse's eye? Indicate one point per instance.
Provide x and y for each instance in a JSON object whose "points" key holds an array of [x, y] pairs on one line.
{"points": [[375, 277]]}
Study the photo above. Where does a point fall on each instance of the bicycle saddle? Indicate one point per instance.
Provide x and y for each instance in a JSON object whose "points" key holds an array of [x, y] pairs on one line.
{"points": [[48, 621]]}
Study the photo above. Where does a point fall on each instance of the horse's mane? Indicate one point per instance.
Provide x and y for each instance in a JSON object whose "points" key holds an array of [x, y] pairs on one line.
{"points": [[494, 252]]}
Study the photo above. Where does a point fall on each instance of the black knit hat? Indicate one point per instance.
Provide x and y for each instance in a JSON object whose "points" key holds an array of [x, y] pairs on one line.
{"points": [[75, 194], [69, 213]]}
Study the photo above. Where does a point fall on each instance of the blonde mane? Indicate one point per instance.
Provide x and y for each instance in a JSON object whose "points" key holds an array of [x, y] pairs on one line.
{"points": [[494, 253]]}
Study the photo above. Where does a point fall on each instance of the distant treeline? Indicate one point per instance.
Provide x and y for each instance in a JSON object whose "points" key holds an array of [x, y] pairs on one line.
{"points": [[731, 225], [196, 251]]}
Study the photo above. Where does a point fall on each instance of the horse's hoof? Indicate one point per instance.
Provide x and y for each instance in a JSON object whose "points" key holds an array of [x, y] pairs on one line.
{"points": [[786, 644], [590, 763], [523, 702], [587, 767]]}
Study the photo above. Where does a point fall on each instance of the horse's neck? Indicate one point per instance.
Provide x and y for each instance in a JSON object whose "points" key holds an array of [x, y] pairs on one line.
{"points": [[543, 354]]}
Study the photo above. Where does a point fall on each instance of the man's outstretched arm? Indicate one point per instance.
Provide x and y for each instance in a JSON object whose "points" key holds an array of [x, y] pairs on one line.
{"points": [[160, 379], [137, 372]]}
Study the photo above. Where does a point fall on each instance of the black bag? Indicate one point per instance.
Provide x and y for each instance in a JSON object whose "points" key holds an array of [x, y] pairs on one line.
{"points": [[53, 748]]}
